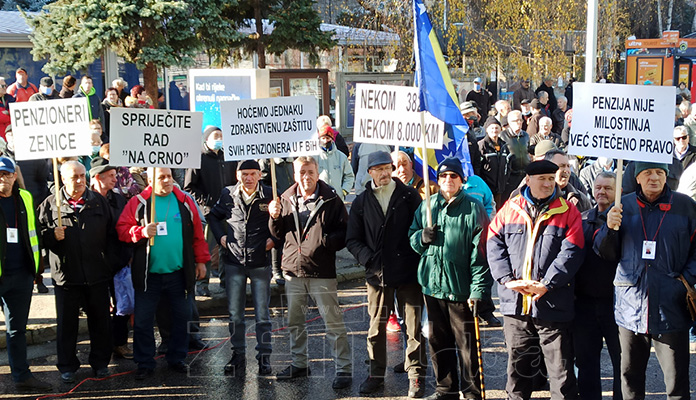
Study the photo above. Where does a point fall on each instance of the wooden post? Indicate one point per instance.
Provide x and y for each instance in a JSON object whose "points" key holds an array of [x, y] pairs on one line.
{"points": [[426, 176], [619, 179], [273, 179], [59, 200]]}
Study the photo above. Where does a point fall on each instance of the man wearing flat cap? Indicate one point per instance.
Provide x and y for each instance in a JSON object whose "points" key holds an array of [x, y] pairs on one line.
{"points": [[239, 221], [378, 238], [535, 247], [454, 277], [651, 235]]}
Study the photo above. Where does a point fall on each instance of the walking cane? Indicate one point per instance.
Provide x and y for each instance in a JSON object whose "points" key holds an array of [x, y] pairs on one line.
{"points": [[478, 349]]}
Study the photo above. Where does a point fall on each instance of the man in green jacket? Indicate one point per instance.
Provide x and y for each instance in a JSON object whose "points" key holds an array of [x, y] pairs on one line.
{"points": [[454, 275]]}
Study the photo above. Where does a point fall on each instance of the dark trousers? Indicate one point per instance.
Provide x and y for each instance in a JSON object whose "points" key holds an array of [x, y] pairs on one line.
{"points": [[119, 323], [523, 337], [451, 333], [164, 321], [672, 351], [380, 303], [594, 324], [172, 289], [94, 300], [15, 295]]}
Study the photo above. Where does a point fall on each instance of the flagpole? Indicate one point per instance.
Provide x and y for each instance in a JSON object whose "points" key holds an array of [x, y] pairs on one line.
{"points": [[426, 174]]}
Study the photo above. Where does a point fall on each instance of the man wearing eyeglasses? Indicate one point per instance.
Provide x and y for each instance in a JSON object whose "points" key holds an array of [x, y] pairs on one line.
{"points": [[454, 276], [683, 151]]}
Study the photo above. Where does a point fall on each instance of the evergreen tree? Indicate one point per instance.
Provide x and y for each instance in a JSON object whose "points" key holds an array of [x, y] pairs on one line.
{"points": [[71, 34]]}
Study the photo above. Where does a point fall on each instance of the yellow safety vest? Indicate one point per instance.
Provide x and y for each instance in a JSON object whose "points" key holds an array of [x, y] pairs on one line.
{"points": [[28, 201]]}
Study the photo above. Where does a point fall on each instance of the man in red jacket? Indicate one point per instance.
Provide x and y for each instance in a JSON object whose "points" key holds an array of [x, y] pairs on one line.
{"points": [[22, 89], [158, 270]]}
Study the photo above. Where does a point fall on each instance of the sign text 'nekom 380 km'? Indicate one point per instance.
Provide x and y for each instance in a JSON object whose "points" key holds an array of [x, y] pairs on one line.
{"points": [[386, 114], [155, 138], [630, 122], [49, 129], [268, 128]]}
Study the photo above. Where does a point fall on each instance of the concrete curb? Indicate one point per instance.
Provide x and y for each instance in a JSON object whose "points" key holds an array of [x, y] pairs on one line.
{"points": [[346, 270]]}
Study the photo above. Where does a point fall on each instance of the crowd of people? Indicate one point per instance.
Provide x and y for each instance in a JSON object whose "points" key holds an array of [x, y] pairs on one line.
{"points": [[572, 269]]}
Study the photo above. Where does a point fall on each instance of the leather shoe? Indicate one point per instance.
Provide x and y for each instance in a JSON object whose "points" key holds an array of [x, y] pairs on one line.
{"points": [[371, 385], [180, 367], [163, 348], [236, 365], [67, 377], [33, 384], [101, 373], [443, 396], [342, 380], [490, 321], [265, 365], [416, 388], [399, 368], [41, 287], [143, 373], [123, 352], [292, 372]]}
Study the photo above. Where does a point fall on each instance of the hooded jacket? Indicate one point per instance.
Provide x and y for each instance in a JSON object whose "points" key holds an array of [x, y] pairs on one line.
{"points": [[130, 230], [547, 248], [454, 267], [95, 108], [380, 242], [310, 252], [206, 184], [648, 296]]}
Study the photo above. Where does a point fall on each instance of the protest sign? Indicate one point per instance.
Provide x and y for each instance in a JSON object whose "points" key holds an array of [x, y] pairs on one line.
{"points": [[386, 114], [155, 138], [52, 128], [632, 122], [268, 128]]}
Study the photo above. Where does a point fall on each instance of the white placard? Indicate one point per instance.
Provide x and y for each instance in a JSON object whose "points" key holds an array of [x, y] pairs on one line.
{"points": [[268, 128], [631, 122], [143, 137], [386, 114], [51, 128]]}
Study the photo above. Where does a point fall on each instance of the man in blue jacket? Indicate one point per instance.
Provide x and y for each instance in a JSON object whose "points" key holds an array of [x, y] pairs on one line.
{"points": [[535, 245], [239, 222], [651, 236]]}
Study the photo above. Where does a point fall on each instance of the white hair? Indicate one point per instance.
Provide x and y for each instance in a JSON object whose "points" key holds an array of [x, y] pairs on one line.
{"points": [[681, 129], [543, 121], [323, 120], [73, 165]]}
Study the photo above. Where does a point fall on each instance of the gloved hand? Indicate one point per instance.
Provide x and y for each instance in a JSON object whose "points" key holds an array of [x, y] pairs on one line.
{"points": [[474, 306], [429, 235]]}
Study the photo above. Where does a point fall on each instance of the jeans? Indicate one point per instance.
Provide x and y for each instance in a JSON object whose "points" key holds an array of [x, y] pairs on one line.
{"points": [[235, 287], [15, 293], [172, 288]]}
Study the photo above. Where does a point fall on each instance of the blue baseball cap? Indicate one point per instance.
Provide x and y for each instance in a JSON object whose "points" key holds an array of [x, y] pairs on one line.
{"points": [[7, 164]]}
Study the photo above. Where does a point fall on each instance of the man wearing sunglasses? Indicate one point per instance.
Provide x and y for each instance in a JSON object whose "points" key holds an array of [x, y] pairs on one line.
{"points": [[683, 151], [452, 272]]}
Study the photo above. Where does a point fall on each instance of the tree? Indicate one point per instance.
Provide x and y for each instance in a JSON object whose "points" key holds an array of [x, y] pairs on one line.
{"points": [[71, 34], [296, 25]]}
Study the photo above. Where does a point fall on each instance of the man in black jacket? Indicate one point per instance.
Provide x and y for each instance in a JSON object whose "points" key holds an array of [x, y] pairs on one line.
{"points": [[205, 185], [594, 301], [312, 219], [378, 238], [20, 258], [239, 222], [80, 269]]}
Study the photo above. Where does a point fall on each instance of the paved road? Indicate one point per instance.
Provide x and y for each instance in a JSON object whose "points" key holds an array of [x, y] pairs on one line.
{"points": [[207, 380]]}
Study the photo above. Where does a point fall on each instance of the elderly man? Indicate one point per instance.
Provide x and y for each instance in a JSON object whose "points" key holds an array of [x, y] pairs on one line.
{"points": [[312, 219], [403, 169], [81, 272], [535, 248], [523, 93], [170, 254], [103, 181], [334, 167], [545, 133], [480, 96], [651, 236], [594, 300], [452, 272], [547, 87], [239, 222], [378, 238], [563, 175], [473, 119], [683, 151], [558, 115], [517, 141], [46, 91], [20, 260], [496, 157]]}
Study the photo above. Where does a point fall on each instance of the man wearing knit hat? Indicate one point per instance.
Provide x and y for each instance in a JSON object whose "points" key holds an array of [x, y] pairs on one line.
{"points": [[651, 235], [205, 185], [454, 276], [239, 221], [378, 238], [535, 245]]}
